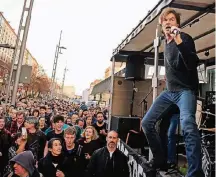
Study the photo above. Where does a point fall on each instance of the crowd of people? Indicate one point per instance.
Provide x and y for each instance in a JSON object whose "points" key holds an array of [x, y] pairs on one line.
{"points": [[58, 139]]}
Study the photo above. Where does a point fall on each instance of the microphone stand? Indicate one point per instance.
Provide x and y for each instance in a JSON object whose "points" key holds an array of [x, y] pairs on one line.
{"points": [[145, 102]]}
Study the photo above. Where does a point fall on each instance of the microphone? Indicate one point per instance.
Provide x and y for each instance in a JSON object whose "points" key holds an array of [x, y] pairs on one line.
{"points": [[175, 31]]}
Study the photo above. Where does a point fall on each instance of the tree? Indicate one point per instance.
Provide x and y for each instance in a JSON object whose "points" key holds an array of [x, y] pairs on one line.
{"points": [[40, 83]]}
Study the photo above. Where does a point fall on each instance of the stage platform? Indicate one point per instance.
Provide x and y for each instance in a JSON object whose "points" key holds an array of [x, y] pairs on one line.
{"points": [[137, 163]]}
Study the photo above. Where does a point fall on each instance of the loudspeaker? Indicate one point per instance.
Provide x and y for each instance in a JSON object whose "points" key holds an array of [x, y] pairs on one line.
{"points": [[25, 75], [135, 68], [122, 125]]}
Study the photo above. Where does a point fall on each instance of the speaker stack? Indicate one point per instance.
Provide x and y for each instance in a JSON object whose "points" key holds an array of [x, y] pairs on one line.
{"points": [[123, 125], [135, 68], [135, 71]]}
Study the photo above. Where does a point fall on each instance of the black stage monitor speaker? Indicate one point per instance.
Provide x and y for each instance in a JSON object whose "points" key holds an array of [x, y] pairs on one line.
{"points": [[122, 125], [135, 68]]}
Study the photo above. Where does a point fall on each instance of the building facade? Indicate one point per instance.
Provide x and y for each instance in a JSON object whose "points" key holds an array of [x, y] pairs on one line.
{"points": [[8, 37], [118, 67], [85, 95]]}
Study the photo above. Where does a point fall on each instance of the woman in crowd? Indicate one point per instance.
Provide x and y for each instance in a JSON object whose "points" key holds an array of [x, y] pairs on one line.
{"points": [[36, 113], [80, 113], [88, 121], [53, 164], [89, 143], [42, 124]]}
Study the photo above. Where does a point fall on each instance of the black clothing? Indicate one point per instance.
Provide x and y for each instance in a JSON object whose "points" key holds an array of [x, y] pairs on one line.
{"points": [[47, 119], [86, 148], [36, 143], [48, 169], [5, 143], [72, 160], [52, 134], [44, 129], [102, 165], [181, 64], [102, 138]]}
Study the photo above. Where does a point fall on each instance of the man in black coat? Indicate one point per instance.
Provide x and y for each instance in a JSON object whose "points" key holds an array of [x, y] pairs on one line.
{"points": [[108, 161]]}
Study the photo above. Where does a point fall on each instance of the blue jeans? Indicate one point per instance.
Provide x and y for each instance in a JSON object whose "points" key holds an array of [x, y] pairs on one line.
{"points": [[171, 156], [186, 101], [167, 133]]}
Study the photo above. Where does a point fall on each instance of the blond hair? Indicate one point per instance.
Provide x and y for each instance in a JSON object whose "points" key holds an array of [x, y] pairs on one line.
{"points": [[70, 131], [168, 11], [95, 133]]}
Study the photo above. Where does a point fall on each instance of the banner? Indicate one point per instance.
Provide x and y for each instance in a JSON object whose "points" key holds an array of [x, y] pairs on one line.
{"points": [[136, 162]]}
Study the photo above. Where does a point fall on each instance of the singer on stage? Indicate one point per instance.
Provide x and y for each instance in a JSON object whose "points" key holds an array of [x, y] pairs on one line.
{"points": [[182, 85]]}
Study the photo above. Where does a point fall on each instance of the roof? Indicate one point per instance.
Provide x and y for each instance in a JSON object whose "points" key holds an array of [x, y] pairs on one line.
{"points": [[197, 19]]}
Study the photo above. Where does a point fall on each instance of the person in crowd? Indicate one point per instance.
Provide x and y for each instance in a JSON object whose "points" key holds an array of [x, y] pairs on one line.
{"points": [[42, 125], [92, 112], [71, 151], [88, 121], [80, 113], [58, 132], [36, 113], [108, 161], [19, 106], [83, 106], [52, 125], [5, 143], [49, 112], [53, 164], [10, 125], [182, 85], [98, 109], [36, 139], [101, 128], [68, 121], [23, 165], [74, 118], [43, 114], [11, 108], [42, 111], [80, 123], [84, 113], [17, 123], [17, 147], [89, 143]]}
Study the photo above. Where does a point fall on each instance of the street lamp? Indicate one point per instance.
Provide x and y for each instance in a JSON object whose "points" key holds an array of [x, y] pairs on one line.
{"points": [[57, 52]]}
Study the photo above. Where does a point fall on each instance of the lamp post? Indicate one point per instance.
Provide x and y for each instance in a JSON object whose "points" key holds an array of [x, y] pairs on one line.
{"points": [[63, 80], [22, 48], [55, 63]]}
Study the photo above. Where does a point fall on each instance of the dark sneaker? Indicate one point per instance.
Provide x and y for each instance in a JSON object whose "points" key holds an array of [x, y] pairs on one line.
{"points": [[171, 165], [162, 166]]}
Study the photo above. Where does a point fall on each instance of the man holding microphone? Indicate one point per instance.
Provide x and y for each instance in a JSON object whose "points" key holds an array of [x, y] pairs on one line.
{"points": [[182, 85]]}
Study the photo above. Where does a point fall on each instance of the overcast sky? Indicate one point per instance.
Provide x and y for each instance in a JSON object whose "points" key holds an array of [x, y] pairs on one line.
{"points": [[91, 30]]}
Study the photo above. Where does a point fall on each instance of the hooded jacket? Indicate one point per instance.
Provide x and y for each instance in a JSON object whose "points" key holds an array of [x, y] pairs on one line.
{"points": [[26, 160]]}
